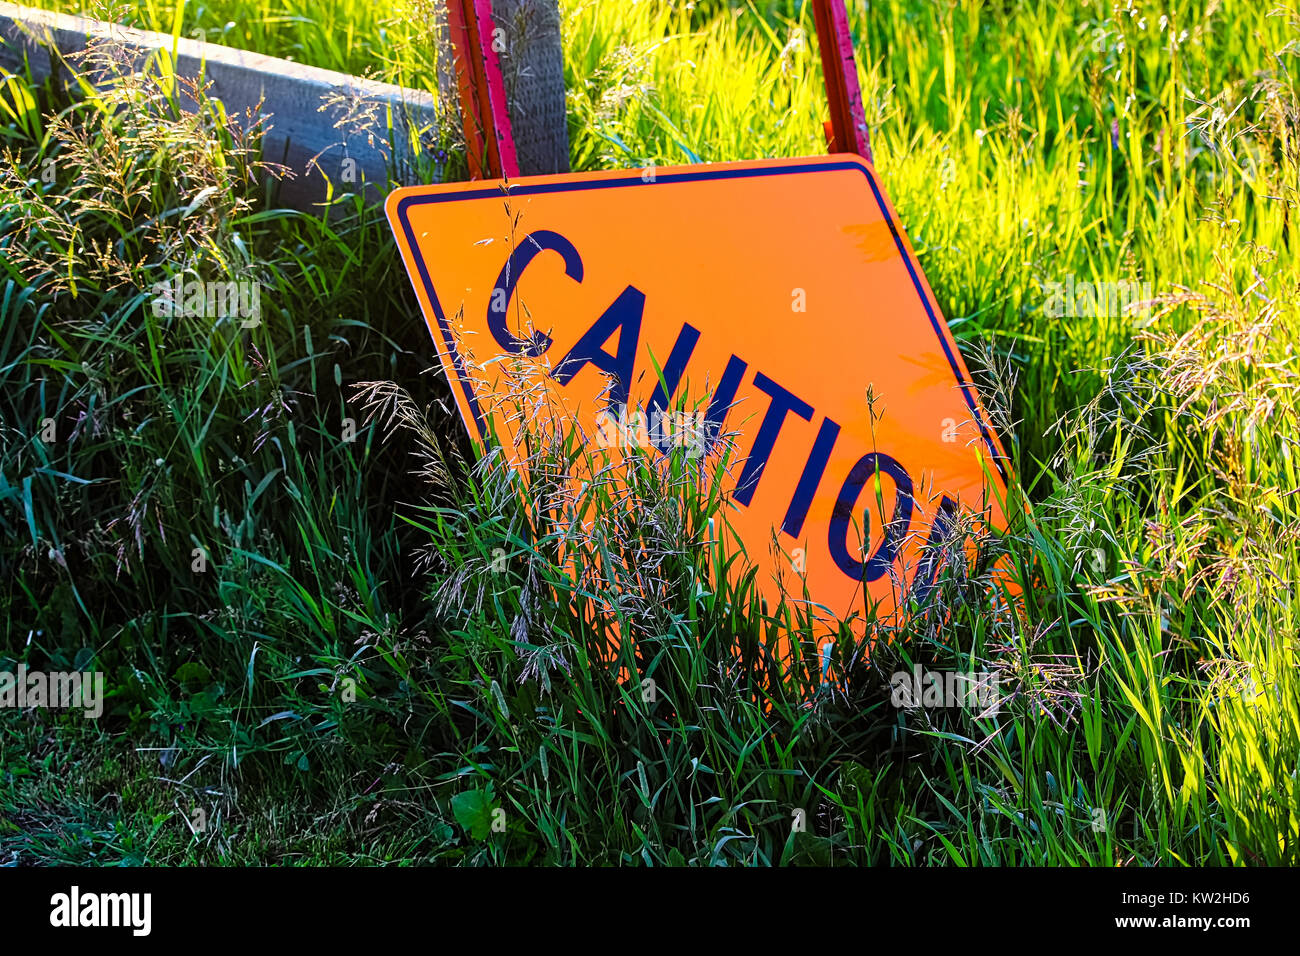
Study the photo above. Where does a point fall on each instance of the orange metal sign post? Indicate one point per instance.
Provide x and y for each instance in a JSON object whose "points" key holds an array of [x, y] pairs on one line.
{"points": [[782, 294], [489, 140], [846, 130]]}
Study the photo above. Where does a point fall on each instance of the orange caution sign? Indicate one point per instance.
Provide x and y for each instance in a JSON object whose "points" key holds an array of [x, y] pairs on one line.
{"points": [[775, 305]]}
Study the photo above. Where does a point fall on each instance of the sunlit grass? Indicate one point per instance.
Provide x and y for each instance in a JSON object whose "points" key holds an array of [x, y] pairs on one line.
{"points": [[1157, 712]]}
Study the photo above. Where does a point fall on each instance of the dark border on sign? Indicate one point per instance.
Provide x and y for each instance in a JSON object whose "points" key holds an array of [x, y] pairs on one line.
{"points": [[705, 173]]}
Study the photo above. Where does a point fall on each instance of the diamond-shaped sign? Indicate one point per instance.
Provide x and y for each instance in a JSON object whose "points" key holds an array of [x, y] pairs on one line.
{"points": [[778, 298]]}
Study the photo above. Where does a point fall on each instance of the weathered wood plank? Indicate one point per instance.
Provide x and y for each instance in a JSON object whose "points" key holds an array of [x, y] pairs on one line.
{"points": [[532, 65], [295, 100]]}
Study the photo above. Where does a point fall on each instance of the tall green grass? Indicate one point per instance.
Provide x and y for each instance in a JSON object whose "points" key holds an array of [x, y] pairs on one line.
{"points": [[385, 649]]}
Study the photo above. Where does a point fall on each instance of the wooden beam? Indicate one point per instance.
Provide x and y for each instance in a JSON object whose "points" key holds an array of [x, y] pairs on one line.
{"points": [[295, 99], [532, 65]]}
